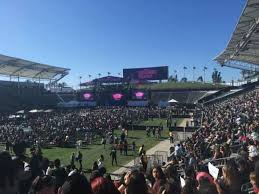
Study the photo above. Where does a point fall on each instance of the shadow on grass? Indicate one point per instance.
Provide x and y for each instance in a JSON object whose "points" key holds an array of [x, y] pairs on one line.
{"points": [[132, 137]]}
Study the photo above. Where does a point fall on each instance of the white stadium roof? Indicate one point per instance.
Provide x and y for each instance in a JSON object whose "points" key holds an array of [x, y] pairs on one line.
{"points": [[15, 67], [243, 49]]}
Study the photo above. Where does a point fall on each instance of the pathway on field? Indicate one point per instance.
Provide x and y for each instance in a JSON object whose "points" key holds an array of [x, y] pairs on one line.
{"points": [[162, 146]]}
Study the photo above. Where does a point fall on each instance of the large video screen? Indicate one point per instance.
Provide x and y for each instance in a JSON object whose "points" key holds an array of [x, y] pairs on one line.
{"points": [[117, 96], [149, 73], [88, 96], [139, 95]]}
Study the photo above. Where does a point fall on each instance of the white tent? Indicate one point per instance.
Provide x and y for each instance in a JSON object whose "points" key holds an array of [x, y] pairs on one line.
{"points": [[49, 110], [20, 112], [33, 111], [14, 116], [173, 101]]}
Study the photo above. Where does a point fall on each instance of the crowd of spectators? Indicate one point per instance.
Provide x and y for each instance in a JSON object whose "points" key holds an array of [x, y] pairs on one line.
{"points": [[61, 127], [228, 139]]}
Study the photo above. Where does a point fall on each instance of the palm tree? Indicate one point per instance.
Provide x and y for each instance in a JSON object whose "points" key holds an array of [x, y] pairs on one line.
{"points": [[80, 78], [204, 73], [108, 73], [99, 74], [193, 73], [184, 68]]}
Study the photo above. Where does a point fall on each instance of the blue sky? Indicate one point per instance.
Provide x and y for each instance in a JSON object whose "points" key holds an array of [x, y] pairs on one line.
{"points": [[100, 36]]}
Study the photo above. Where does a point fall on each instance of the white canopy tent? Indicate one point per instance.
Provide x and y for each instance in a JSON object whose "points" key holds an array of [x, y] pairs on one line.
{"points": [[48, 110], [173, 101], [20, 112], [33, 111]]}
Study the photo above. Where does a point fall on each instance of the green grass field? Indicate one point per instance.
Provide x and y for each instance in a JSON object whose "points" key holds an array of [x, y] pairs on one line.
{"points": [[92, 152]]}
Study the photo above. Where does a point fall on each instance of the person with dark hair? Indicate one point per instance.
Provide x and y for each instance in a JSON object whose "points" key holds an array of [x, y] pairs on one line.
{"points": [[243, 170], [72, 159], [95, 166], [144, 161], [171, 187], [35, 164], [103, 141], [102, 185], [108, 177], [231, 181], [159, 177], [43, 185], [101, 166], [75, 184], [8, 181], [135, 183], [80, 159], [125, 147], [206, 185], [59, 173], [189, 187], [113, 154], [133, 146]]}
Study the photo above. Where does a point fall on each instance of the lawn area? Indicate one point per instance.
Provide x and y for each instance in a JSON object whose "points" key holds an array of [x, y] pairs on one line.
{"points": [[92, 152]]}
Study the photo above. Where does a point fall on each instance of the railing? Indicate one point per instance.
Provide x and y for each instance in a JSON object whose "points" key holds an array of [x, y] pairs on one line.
{"points": [[221, 161]]}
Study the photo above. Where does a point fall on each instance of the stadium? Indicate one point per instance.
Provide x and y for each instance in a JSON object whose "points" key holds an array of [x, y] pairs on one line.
{"points": [[143, 132]]}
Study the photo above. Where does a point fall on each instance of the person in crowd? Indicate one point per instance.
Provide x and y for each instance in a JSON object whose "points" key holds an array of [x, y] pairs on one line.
{"points": [[95, 166], [189, 187], [154, 131], [43, 185], [113, 154], [9, 182], [144, 161], [121, 147], [50, 168], [148, 131], [133, 147], [159, 178], [101, 185], [171, 136], [75, 184], [135, 182], [103, 142], [125, 147], [141, 150], [231, 180], [101, 166], [35, 163], [72, 159], [252, 178], [59, 173], [80, 159]]}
